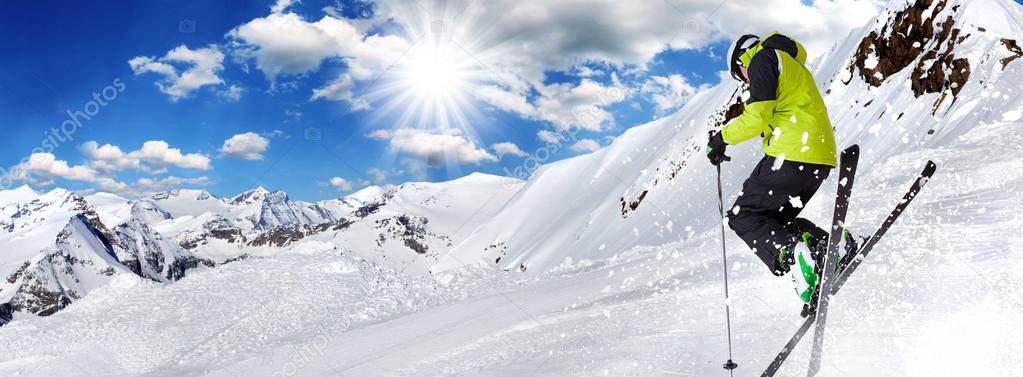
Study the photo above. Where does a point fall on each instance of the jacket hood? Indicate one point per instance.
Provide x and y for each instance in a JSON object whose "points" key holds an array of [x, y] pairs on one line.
{"points": [[776, 41]]}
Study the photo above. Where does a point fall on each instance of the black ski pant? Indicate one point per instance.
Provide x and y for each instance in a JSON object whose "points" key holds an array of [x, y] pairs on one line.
{"points": [[765, 213]]}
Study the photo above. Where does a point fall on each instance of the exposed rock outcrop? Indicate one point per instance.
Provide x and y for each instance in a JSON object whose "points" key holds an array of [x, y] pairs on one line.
{"points": [[922, 34]]}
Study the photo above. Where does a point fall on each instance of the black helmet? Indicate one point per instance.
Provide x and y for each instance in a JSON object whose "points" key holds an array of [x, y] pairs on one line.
{"points": [[741, 45]]}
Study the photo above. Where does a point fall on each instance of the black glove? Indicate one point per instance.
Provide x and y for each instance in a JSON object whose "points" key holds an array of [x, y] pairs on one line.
{"points": [[716, 149]]}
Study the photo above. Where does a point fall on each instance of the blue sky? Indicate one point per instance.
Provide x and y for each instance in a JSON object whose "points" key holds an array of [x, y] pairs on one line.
{"points": [[323, 98]]}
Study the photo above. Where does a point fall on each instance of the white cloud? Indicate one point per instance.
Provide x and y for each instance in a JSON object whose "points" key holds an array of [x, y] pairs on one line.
{"points": [[281, 5], [168, 183], [360, 104], [585, 145], [416, 168], [379, 134], [434, 148], [246, 146], [47, 166], [161, 155], [565, 105], [506, 100], [380, 176], [580, 106], [204, 66], [285, 43], [508, 148], [42, 168], [341, 184], [668, 93], [536, 37], [342, 90], [233, 93], [525, 40], [550, 137], [377, 175], [584, 71], [516, 43], [157, 153], [107, 157], [110, 184], [272, 134]]}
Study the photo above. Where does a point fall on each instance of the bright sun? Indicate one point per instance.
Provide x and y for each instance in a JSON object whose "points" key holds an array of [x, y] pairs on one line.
{"points": [[430, 88], [432, 75], [435, 84]]}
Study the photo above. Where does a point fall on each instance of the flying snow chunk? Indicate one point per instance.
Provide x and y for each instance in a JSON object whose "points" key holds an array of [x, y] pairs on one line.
{"points": [[1011, 116], [778, 161], [796, 202]]}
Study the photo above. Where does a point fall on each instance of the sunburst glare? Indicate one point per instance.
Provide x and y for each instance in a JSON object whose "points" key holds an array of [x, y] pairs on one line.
{"points": [[430, 86]]}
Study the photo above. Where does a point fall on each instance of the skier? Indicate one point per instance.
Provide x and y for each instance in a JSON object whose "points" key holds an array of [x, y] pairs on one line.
{"points": [[786, 110]]}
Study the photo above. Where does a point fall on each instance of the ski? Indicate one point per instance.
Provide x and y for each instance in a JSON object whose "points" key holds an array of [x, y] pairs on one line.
{"points": [[861, 254], [846, 176], [847, 173]]}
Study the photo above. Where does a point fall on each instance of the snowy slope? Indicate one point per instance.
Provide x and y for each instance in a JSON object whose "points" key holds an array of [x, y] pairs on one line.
{"points": [[185, 202], [349, 204], [149, 212], [112, 209], [652, 311], [23, 194], [580, 208]]}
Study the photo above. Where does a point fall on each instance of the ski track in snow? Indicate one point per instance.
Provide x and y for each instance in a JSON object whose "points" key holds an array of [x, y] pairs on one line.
{"points": [[936, 298]]}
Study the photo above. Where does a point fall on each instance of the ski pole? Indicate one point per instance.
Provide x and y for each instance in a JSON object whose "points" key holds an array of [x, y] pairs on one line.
{"points": [[729, 365]]}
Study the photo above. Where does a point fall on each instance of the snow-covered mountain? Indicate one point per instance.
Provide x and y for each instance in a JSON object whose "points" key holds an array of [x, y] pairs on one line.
{"points": [[55, 250], [80, 260], [220, 228], [161, 237], [413, 225], [149, 254], [265, 209], [349, 204]]}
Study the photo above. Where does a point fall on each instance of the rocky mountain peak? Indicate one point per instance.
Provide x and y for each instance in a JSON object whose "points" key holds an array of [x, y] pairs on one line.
{"points": [[148, 211], [252, 196]]}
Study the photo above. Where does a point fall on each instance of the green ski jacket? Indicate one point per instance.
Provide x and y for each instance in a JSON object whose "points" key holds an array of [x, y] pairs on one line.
{"points": [[784, 108]]}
